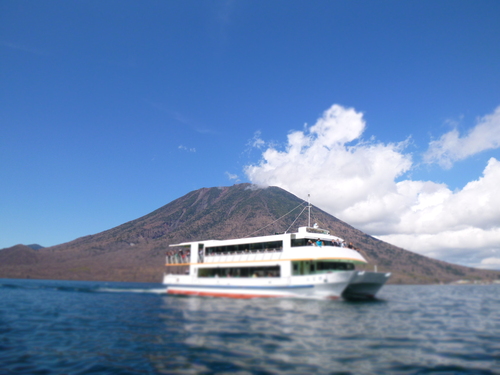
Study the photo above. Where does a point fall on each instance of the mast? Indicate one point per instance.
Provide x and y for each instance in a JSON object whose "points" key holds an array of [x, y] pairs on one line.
{"points": [[309, 208]]}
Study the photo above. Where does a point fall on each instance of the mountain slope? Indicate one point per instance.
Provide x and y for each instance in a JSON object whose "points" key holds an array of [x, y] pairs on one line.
{"points": [[134, 251]]}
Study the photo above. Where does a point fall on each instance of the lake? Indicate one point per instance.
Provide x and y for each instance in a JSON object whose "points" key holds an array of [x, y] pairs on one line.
{"points": [[69, 327]]}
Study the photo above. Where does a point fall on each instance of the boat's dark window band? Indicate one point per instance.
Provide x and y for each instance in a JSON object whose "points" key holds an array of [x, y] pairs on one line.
{"points": [[259, 247], [312, 242], [177, 270], [269, 271], [334, 266], [309, 267]]}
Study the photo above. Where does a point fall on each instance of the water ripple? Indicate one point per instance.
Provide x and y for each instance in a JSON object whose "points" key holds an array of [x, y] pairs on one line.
{"points": [[57, 327]]}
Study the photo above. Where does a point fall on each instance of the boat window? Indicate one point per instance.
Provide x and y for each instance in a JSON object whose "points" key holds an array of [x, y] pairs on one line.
{"points": [[263, 271], [259, 247], [317, 230], [300, 242], [334, 266], [309, 267]]}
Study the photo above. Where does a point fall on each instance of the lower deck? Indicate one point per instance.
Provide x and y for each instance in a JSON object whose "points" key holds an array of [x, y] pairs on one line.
{"points": [[328, 285]]}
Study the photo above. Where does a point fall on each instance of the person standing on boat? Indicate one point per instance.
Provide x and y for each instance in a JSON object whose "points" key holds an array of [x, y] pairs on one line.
{"points": [[319, 243]]}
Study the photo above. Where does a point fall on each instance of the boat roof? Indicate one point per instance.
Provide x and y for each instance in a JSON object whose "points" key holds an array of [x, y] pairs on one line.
{"points": [[303, 232]]}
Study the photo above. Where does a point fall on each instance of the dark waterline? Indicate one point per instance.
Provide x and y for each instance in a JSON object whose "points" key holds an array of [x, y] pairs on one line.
{"points": [[62, 327]]}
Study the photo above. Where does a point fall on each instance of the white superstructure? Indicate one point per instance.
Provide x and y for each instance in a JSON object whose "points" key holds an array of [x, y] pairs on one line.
{"points": [[309, 263]]}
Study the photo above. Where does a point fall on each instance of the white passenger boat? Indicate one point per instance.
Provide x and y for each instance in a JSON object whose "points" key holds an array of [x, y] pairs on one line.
{"points": [[310, 263]]}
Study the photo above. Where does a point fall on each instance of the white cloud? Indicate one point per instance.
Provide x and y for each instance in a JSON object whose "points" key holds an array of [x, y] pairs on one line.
{"points": [[232, 176], [451, 147], [489, 262], [188, 149], [357, 181], [319, 161], [256, 141]]}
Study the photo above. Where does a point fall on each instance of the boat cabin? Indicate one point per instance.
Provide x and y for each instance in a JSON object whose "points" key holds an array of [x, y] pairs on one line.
{"points": [[309, 251]]}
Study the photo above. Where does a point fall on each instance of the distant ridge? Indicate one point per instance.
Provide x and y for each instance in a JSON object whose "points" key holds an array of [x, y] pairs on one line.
{"points": [[32, 247], [135, 251], [35, 246]]}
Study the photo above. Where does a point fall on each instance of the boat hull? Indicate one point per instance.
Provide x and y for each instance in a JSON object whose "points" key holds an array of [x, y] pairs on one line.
{"points": [[365, 285], [327, 286]]}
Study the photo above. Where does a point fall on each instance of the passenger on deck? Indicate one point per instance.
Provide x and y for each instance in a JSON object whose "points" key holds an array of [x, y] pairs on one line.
{"points": [[319, 243]]}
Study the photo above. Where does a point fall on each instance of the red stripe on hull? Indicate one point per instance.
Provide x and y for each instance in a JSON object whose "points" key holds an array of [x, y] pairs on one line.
{"points": [[332, 297], [225, 295], [233, 295]]}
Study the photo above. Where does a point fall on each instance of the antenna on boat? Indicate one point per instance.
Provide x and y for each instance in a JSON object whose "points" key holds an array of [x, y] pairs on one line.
{"points": [[309, 208]]}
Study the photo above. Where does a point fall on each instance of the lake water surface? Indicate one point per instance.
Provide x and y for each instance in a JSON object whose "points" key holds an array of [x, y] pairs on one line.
{"points": [[63, 327]]}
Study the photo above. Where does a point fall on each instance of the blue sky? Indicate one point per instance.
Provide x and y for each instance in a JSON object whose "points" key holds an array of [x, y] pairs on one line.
{"points": [[111, 109]]}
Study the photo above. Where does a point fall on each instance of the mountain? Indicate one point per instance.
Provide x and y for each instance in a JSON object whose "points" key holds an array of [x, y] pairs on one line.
{"points": [[135, 251], [16, 255]]}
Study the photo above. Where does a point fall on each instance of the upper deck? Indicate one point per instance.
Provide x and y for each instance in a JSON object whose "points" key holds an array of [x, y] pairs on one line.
{"points": [[307, 243]]}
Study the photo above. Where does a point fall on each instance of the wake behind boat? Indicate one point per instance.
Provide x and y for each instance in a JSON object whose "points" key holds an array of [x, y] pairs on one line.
{"points": [[310, 263]]}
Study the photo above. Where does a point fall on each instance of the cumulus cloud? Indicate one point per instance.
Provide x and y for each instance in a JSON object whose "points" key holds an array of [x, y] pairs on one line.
{"points": [[363, 183], [342, 176], [451, 147]]}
